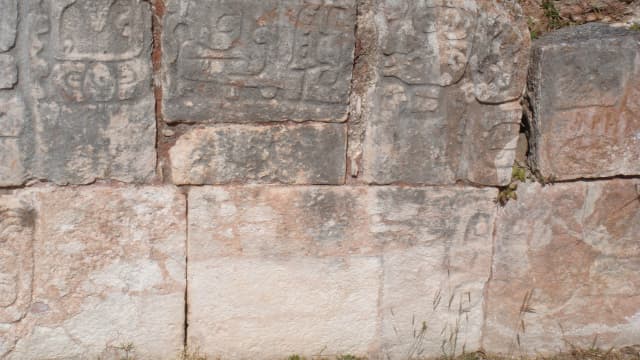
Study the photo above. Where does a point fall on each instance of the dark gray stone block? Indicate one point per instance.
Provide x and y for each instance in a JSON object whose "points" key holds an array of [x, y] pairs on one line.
{"points": [[257, 60], [85, 90]]}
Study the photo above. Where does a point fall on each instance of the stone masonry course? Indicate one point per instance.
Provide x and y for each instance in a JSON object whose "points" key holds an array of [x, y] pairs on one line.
{"points": [[254, 179]]}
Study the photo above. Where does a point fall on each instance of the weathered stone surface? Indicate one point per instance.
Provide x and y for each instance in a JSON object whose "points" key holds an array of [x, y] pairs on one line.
{"points": [[449, 76], [83, 271], [279, 221], [436, 272], [11, 105], [431, 307], [8, 71], [87, 86], [300, 250], [12, 122], [257, 60], [250, 308], [295, 154], [584, 88], [575, 247], [8, 24], [330, 221]]}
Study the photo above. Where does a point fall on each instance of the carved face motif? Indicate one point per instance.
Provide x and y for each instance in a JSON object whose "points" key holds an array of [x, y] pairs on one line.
{"points": [[100, 82], [103, 30], [225, 28], [426, 44]]}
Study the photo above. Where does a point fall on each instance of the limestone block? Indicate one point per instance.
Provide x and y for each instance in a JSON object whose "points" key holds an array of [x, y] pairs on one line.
{"points": [[445, 103], [574, 248], [86, 81], [278, 270], [290, 154], [257, 60], [250, 308], [584, 88], [84, 271], [8, 24], [12, 122], [279, 221], [8, 71], [437, 261]]}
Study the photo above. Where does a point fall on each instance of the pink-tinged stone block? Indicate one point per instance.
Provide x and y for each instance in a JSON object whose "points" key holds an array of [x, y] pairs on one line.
{"points": [[86, 271], [574, 248], [278, 270], [270, 308], [286, 154], [584, 86]]}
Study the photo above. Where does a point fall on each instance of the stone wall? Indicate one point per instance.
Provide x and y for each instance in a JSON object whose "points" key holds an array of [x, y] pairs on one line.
{"points": [[258, 178]]}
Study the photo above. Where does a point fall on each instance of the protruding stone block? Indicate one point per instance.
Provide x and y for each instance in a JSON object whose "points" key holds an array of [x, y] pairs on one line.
{"points": [[86, 271], [445, 106], [574, 248], [584, 87], [289, 154], [257, 60], [384, 253]]}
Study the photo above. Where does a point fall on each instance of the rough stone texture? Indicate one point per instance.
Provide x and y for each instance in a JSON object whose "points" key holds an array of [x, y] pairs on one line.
{"points": [[8, 71], [8, 24], [12, 119], [436, 263], [86, 83], [257, 60], [449, 75], [575, 246], [83, 271], [11, 105], [273, 270], [584, 89], [250, 308], [294, 154], [253, 97], [279, 221]]}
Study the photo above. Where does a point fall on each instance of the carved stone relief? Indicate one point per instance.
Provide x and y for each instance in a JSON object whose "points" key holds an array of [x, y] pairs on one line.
{"points": [[247, 61]]}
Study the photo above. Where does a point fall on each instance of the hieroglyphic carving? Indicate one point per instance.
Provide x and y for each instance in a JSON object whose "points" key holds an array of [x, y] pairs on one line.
{"points": [[427, 43], [261, 60], [90, 77], [499, 54], [436, 77], [84, 29], [68, 264], [586, 118], [12, 121], [16, 259], [12, 139]]}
